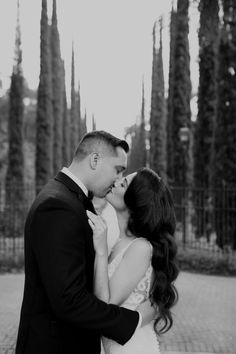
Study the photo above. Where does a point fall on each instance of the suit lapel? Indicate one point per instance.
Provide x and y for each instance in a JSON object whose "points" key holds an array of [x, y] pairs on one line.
{"points": [[71, 185], [90, 254]]}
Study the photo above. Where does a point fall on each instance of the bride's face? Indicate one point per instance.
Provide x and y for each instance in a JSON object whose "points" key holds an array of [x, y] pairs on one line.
{"points": [[116, 196]]}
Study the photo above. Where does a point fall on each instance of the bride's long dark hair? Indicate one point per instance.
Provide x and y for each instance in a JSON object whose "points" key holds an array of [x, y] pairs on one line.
{"points": [[152, 216]]}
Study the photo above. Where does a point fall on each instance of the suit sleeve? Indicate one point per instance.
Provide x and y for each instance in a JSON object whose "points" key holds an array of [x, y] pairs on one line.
{"points": [[58, 241]]}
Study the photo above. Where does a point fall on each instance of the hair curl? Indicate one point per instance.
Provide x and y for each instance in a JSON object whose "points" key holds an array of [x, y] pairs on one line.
{"points": [[152, 216]]}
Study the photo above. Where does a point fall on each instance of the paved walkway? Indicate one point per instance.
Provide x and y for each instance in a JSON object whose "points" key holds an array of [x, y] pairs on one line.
{"points": [[204, 318]]}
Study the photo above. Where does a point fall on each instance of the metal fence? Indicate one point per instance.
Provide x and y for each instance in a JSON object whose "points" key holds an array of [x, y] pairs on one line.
{"points": [[14, 205], [206, 220]]}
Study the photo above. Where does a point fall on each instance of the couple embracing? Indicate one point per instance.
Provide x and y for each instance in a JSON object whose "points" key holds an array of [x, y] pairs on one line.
{"points": [[77, 297]]}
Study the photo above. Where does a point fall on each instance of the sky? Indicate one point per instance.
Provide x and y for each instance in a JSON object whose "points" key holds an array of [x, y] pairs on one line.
{"points": [[113, 52]]}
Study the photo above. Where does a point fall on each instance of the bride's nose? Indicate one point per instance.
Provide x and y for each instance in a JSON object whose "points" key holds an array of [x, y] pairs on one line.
{"points": [[117, 183]]}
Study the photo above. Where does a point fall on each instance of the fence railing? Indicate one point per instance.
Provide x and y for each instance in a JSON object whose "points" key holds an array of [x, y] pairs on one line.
{"points": [[206, 219]]}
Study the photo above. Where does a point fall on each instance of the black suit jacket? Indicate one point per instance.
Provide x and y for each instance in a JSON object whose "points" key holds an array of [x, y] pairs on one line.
{"points": [[59, 312]]}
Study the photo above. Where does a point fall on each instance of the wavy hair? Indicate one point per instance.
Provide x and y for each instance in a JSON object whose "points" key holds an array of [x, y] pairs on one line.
{"points": [[152, 216]]}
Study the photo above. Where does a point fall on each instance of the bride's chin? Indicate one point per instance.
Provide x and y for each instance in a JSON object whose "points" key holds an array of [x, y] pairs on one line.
{"points": [[108, 196]]}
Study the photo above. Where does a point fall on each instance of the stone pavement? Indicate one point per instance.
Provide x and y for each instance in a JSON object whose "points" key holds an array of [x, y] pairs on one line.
{"points": [[204, 318], [11, 291]]}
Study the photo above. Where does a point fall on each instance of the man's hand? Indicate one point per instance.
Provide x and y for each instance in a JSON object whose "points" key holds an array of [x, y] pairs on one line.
{"points": [[148, 312]]}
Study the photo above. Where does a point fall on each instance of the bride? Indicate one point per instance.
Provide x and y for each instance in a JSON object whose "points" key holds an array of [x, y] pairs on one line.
{"points": [[142, 263]]}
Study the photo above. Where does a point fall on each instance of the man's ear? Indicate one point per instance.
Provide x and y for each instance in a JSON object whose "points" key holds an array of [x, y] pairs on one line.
{"points": [[94, 157]]}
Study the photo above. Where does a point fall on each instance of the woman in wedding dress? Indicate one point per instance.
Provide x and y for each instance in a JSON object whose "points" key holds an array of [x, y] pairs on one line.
{"points": [[142, 263]]}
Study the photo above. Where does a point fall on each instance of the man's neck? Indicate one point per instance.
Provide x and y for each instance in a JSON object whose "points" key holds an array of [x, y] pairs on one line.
{"points": [[76, 178], [77, 172]]}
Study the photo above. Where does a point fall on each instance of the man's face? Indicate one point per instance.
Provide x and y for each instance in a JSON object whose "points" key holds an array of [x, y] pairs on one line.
{"points": [[109, 170]]}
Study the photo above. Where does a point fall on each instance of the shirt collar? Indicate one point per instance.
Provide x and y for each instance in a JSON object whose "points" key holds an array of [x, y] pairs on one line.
{"points": [[67, 172]]}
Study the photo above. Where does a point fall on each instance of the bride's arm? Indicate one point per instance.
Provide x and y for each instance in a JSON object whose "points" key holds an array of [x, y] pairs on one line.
{"points": [[101, 283], [128, 274], [130, 271]]}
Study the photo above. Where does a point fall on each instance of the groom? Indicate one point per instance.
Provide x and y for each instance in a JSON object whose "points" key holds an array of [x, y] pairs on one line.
{"points": [[59, 312]]}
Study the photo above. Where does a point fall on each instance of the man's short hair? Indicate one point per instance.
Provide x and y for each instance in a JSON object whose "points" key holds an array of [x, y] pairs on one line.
{"points": [[99, 141]]}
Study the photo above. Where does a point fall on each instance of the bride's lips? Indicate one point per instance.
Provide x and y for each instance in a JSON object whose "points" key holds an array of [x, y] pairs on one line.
{"points": [[110, 189]]}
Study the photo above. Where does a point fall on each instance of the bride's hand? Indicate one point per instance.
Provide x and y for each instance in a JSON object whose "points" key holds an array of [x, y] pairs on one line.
{"points": [[99, 227]]}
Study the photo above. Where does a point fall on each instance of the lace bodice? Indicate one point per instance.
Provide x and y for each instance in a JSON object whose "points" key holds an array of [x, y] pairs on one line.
{"points": [[141, 291]]}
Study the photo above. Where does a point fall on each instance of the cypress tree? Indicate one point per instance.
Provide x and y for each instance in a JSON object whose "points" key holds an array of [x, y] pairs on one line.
{"points": [[93, 123], [170, 147], [66, 151], [79, 117], [15, 169], [44, 133], [4, 112], [181, 94], [57, 91], [225, 131], [158, 111], [142, 134], [208, 39], [133, 157], [207, 102], [138, 153], [84, 124], [73, 114]]}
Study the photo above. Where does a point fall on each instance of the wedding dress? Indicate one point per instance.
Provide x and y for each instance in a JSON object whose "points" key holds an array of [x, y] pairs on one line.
{"points": [[144, 340]]}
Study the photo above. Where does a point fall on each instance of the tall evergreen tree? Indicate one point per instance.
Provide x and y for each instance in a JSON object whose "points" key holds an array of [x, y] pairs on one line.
{"points": [[4, 113], [15, 169], [79, 117], [93, 123], [225, 130], [158, 111], [170, 146], [73, 111], [181, 94], [57, 91], [142, 134], [133, 158], [207, 102], [66, 151], [138, 152], [44, 133], [84, 124], [208, 44]]}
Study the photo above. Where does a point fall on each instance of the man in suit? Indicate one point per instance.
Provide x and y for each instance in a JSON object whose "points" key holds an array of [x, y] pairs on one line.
{"points": [[59, 312]]}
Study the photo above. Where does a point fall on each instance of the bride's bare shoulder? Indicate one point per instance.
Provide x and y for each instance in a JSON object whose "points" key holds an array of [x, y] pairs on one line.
{"points": [[140, 247]]}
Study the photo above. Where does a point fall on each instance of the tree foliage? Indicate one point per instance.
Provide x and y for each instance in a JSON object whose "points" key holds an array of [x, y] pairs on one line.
{"points": [[73, 111], [181, 93], [158, 111], [15, 168], [225, 129], [44, 132], [66, 129], [207, 92], [170, 117], [57, 91]]}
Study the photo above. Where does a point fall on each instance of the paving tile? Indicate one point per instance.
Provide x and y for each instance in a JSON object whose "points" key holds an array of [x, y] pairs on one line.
{"points": [[204, 318]]}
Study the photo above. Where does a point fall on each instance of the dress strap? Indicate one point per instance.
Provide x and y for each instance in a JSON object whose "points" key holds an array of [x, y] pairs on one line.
{"points": [[127, 246]]}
